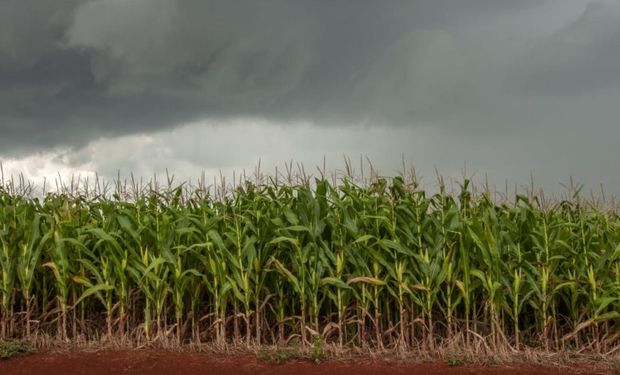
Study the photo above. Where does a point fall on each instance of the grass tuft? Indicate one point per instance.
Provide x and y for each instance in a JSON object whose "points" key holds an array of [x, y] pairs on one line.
{"points": [[454, 360], [318, 351], [279, 355], [12, 348], [615, 365]]}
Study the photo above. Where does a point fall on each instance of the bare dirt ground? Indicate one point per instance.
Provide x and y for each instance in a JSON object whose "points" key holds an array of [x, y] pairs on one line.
{"points": [[155, 362]]}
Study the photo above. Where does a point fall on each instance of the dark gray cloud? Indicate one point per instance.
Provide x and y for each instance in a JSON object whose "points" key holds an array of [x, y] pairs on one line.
{"points": [[72, 71], [577, 59]]}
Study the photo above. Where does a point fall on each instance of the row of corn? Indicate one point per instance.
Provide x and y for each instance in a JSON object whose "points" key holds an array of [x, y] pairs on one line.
{"points": [[382, 266]]}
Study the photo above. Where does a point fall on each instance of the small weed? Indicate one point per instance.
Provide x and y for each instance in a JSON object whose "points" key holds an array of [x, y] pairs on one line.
{"points": [[279, 355], [295, 342], [454, 360], [318, 352], [12, 348], [615, 365]]}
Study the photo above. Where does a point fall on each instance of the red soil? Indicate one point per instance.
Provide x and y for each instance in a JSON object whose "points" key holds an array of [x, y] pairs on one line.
{"points": [[169, 363]]}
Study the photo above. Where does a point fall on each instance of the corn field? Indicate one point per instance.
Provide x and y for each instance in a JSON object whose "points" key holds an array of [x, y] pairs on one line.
{"points": [[381, 266]]}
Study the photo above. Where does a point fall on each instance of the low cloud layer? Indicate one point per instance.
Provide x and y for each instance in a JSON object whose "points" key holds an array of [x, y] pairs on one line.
{"points": [[217, 149], [538, 77]]}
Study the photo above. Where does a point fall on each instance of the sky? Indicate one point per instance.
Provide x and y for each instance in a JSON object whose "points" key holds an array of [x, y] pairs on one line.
{"points": [[496, 89]]}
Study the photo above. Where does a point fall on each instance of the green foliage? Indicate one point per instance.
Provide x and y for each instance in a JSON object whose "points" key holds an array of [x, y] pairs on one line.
{"points": [[454, 360], [279, 355], [318, 350], [386, 265], [12, 348], [615, 365]]}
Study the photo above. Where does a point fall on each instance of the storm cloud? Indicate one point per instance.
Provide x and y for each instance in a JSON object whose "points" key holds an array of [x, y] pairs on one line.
{"points": [[487, 75]]}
